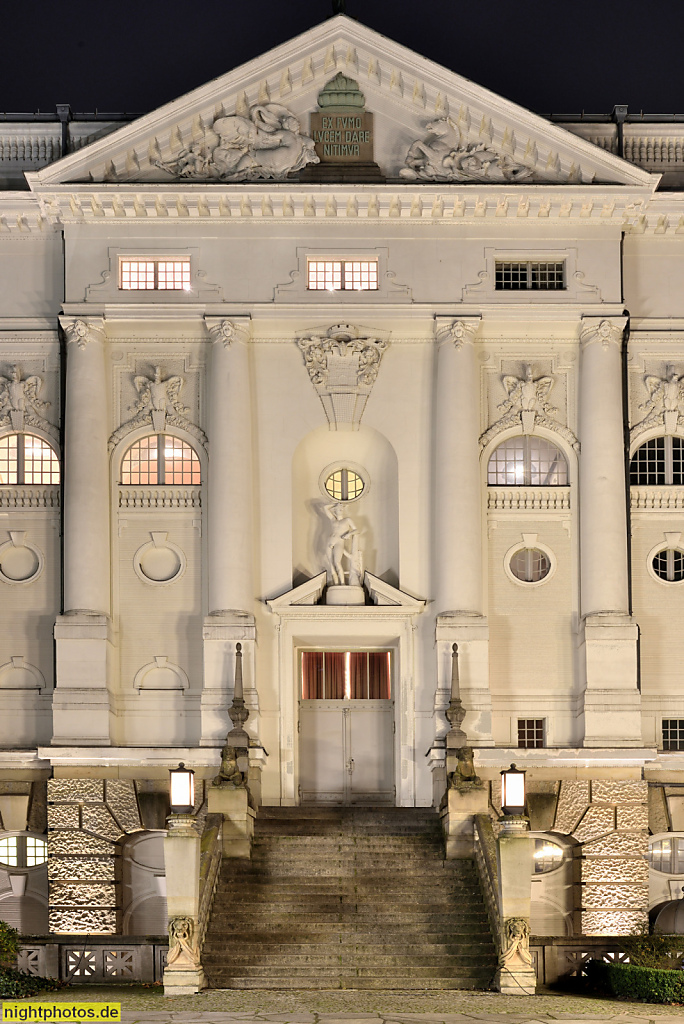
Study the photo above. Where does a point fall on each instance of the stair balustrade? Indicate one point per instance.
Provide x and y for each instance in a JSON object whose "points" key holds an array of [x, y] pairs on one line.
{"points": [[211, 848], [488, 870]]}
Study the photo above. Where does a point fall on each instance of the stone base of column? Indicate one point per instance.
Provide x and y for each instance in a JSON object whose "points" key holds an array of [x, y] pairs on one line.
{"points": [[238, 818], [221, 632], [471, 633], [521, 982], [183, 982], [81, 701], [458, 823], [612, 702]]}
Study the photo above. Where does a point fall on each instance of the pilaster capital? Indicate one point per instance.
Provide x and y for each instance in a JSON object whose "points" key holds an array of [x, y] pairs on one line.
{"points": [[226, 330], [458, 332], [605, 331], [82, 331]]}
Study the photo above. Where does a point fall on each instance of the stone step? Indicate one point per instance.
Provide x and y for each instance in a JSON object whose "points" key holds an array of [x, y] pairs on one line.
{"points": [[266, 958], [357, 939], [298, 921], [331, 904], [245, 946], [479, 981]]}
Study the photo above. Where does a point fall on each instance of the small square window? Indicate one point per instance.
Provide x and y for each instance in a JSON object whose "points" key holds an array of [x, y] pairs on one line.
{"points": [[520, 275], [342, 275], [531, 732], [154, 275], [673, 733]]}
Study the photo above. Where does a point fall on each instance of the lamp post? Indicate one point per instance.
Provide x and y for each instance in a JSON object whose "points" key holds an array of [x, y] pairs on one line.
{"points": [[515, 974], [183, 974]]}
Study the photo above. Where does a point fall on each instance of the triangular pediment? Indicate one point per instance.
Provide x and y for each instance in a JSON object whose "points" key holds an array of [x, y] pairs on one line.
{"points": [[427, 124], [309, 593]]}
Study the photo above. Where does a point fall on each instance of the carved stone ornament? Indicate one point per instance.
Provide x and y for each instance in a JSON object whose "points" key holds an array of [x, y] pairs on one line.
{"points": [[183, 950], [443, 156], [664, 406], [226, 332], [527, 407], [343, 365], [158, 405], [515, 952], [256, 143], [458, 332], [80, 333], [229, 775], [20, 406]]}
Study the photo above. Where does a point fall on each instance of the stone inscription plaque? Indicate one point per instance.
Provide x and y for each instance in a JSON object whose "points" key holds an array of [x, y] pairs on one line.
{"points": [[343, 136]]}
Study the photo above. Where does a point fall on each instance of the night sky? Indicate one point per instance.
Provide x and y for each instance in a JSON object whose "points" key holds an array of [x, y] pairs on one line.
{"points": [[552, 56]]}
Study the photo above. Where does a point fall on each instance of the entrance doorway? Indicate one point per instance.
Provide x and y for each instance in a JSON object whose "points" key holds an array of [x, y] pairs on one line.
{"points": [[346, 728]]}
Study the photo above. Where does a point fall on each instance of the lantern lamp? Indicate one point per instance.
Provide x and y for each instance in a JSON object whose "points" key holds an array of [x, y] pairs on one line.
{"points": [[182, 789], [513, 791]]}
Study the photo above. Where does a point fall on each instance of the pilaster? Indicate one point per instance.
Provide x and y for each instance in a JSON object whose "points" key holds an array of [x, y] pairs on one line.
{"points": [[81, 704], [608, 634]]}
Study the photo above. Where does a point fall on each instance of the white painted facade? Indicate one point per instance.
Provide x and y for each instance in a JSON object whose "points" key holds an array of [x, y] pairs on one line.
{"points": [[108, 672]]}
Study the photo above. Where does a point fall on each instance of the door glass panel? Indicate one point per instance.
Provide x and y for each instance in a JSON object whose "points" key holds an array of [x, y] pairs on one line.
{"points": [[346, 675]]}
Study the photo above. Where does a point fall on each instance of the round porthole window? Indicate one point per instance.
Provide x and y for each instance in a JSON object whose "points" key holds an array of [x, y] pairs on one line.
{"points": [[530, 565], [668, 565], [19, 562], [159, 561], [343, 483]]}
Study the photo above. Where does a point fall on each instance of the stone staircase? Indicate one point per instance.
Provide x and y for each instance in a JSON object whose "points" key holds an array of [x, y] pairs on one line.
{"points": [[348, 898]]}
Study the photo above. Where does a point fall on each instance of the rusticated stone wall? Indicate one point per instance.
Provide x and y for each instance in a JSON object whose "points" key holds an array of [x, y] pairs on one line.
{"points": [[610, 819], [87, 819]]}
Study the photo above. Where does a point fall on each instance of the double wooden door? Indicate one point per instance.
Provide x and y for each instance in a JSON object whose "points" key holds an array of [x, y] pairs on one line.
{"points": [[346, 751]]}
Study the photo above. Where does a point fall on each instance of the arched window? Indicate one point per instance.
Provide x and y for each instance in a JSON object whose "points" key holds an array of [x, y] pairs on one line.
{"points": [[527, 461], [161, 459], [659, 461], [27, 459]]}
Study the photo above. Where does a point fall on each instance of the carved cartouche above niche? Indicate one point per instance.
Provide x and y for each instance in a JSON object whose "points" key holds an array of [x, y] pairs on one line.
{"points": [[20, 406], [444, 156], [664, 406], [527, 407], [256, 143], [158, 405], [343, 363]]}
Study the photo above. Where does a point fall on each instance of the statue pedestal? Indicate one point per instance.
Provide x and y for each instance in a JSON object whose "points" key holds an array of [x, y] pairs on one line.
{"points": [[338, 594], [458, 820], [238, 818], [183, 982]]}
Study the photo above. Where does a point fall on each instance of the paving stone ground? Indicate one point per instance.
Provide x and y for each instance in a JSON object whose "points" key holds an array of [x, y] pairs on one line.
{"points": [[142, 1005]]}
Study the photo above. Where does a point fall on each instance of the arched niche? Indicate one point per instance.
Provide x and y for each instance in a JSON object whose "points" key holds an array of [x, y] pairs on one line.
{"points": [[375, 513], [143, 909]]}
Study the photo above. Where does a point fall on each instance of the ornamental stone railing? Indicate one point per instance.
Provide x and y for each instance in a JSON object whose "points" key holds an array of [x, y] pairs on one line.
{"points": [[210, 868], [657, 498], [29, 497], [538, 498], [181, 497], [485, 859], [94, 959]]}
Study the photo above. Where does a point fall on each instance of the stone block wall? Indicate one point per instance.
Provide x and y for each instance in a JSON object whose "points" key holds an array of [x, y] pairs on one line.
{"points": [[609, 818]]}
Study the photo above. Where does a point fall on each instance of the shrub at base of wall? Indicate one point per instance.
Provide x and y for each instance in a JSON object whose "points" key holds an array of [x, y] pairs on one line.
{"points": [[651, 984]]}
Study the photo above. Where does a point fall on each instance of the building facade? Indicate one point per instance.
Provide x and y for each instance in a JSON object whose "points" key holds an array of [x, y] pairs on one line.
{"points": [[345, 360]]}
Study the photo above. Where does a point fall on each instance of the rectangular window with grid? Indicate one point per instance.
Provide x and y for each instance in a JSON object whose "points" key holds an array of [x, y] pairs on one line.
{"points": [[342, 275], [530, 732], [154, 275], [673, 733], [516, 276]]}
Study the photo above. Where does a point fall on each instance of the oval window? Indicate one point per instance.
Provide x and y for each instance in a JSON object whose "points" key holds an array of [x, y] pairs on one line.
{"points": [[547, 856]]}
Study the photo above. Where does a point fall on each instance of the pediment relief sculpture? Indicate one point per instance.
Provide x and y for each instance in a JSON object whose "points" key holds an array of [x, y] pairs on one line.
{"points": [[343, 365], [443, 156], [158, 405], [20, 406], [664, 405], [256, 143], [527, 406]]}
